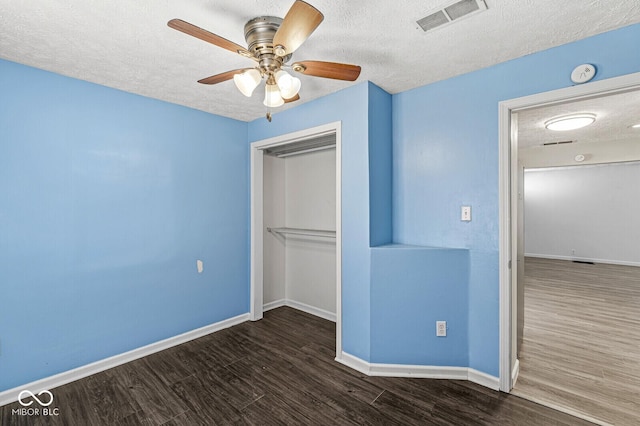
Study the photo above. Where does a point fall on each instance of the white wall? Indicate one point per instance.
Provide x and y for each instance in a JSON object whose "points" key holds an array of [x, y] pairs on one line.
{"points": [[273, 216], [300, 192], [311, 203], [588, 212], [609, 151]]}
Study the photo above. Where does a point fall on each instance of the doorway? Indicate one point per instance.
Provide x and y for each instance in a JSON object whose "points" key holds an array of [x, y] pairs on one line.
{"points": [[510, 191], [582, 287], [307, 141]]}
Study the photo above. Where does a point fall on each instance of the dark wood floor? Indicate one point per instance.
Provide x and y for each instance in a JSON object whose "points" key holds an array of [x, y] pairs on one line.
{"points": [[279, 370], [581, 348]]}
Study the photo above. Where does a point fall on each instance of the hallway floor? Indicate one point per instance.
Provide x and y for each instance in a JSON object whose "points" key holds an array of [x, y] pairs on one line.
{"points": [[581, 348]]}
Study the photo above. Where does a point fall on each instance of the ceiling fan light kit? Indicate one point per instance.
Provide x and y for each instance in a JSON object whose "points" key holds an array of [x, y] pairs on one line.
{"points": [[289, 86], [272, 97], [247, 81], [271, 42]]}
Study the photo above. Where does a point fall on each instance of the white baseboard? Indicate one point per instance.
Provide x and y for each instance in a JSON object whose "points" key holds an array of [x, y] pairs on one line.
{"points": [[483, 379], [354, 362], [273, 305], [419, 371], [582, 259], [48, 383], [301, 307], [312, 310], [515, 373]]}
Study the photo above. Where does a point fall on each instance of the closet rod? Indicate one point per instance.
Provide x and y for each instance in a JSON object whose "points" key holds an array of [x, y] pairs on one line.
{"points": [[306, 151], [302, 231]]}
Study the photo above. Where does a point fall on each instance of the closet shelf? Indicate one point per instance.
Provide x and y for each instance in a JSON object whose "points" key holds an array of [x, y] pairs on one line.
{"points": [[301, 231]]}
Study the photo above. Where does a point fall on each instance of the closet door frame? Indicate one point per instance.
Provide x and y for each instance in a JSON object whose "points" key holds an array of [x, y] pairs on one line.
{"points": [[257, 220]]}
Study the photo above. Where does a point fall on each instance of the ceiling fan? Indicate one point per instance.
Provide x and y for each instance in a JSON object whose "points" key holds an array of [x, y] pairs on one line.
{"points": [[271, 42]]}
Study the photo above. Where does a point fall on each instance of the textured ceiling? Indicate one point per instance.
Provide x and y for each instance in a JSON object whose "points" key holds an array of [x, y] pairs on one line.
{"points": [[127, 45], [615, 114]]}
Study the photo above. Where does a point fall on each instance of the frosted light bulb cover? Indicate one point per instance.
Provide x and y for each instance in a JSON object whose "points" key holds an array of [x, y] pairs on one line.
{"points": [[289, 86], [272, 96], [570, 122], [247, 81]]}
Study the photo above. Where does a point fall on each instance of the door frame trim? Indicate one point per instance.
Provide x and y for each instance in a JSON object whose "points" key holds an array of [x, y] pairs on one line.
{"points": [[257, 220], [508, 156]]}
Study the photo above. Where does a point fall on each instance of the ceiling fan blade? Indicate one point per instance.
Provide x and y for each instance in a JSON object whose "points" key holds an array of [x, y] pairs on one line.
{"points": [[333, 70], [295, 98], [219, 78], [192, 30], [301, 20]]}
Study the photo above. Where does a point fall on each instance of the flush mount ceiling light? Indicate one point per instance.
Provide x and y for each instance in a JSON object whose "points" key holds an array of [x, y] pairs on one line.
{"points": [[635, 126], [271, 42], [570, 122]]}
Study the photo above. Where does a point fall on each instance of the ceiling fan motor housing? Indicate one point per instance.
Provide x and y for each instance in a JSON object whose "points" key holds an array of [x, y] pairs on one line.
{"points": [[259, 33]]}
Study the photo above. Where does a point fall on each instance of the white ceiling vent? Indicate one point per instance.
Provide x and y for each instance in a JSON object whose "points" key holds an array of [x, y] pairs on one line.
{"points": [[557, 143], [450, 13]]}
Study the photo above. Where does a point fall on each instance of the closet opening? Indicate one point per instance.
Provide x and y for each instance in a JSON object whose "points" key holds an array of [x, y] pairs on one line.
{"points": [[296, 224]]}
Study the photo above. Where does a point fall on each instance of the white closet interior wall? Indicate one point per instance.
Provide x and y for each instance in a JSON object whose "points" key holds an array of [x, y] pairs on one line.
{"points": [[300, 192], [274, 211]]}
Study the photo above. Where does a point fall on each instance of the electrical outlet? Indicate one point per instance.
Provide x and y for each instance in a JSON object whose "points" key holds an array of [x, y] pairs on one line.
{"points": [[441, 328]]}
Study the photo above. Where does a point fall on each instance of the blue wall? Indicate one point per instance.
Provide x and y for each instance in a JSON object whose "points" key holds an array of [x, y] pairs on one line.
{"points": [[445, 155], [412, 287], [350, 106], [380, 167], [106, 201]]}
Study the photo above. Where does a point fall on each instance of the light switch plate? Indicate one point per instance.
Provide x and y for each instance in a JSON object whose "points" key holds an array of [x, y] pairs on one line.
{"points": [[465, 213]]}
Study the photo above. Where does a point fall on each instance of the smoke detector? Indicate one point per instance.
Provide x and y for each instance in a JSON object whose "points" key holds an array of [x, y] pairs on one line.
{"points": [[450, 13]]}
